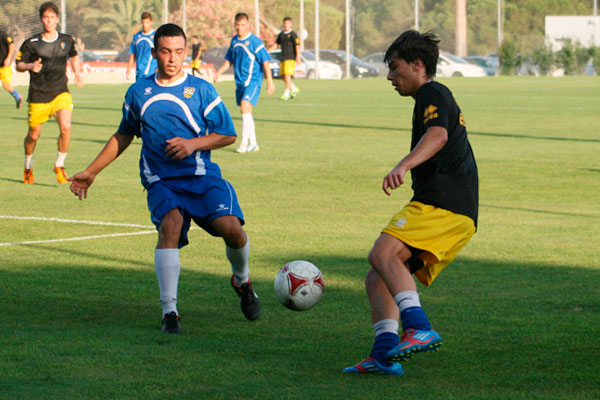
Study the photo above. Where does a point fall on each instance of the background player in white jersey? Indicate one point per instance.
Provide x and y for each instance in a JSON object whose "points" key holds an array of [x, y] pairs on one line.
{"points": [[250, 59], [140, 50], [180, 118], [45, 56]]}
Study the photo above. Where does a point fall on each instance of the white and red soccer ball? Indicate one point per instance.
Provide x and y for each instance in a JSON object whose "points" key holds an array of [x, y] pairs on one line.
{"points": [[299, 285]]}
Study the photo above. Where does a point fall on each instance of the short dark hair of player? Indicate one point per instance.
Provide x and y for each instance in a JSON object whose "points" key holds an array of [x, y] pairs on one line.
{"points": [[146, 15], [239, 16], [49, 5], [412, 45], [169, 30], [287, 19]]}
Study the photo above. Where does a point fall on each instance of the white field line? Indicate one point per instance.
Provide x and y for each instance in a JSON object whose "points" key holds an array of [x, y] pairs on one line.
{"points": [[75, 221]]}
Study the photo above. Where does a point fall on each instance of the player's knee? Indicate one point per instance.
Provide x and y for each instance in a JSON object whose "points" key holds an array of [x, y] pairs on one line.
{"points": [[376, 258], [171, 225], [235, 237], [33, 135]]}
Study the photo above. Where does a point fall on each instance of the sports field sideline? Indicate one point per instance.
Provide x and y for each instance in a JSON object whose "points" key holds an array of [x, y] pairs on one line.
{"points": [[518, 309]]}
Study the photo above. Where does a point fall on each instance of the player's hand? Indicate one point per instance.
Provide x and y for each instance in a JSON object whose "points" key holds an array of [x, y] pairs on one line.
{"points": [[79, 81], [129, 75], [36, 66], [298, 61], [80, 182], [270, 88], [394, 179], [179, 148], [216, 77]]}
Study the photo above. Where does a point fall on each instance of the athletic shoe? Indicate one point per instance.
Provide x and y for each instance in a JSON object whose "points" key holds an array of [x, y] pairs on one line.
{"points": [[295, 92], [20, 102], [370, 366], [241, 149], [28, 175], [284, 97], [61, 175], [248, 299], [253, 149], [171, 323], [414, 341]]}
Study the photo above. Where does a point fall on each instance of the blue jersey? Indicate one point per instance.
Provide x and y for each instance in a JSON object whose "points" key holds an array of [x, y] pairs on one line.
{"points": [[247, 57], [188, 108], [141, 46]]}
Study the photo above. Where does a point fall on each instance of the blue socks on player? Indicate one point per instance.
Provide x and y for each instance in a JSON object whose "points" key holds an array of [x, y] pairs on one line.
{"points": [[16, 95], [386, 338], [411, 313]]}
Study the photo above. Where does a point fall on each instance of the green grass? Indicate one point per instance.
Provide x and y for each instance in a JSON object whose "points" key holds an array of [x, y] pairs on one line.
{"points": [[518, 309]]}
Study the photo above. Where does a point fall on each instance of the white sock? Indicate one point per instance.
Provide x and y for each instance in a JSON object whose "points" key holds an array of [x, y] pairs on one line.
{"points": [[293, 86], [385, 325], [239, 262], [28, 161], [248, 130], [407, 299], [167, 271], [286, 93], [60, 159]]}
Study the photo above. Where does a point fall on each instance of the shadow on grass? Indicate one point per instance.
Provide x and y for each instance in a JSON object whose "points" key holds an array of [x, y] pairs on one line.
{"points": [[532, 210], [86, 326]]}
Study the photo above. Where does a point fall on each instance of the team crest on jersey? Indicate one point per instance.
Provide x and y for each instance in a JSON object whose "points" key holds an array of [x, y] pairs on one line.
{"points": [[188, 92], [430, 113], [147, 91], [247, 43], [62, 45]]}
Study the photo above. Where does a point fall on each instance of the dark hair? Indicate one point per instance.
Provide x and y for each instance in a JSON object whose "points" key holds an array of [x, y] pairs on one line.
{"points": [[146, 15], [412, 45], [49, 5], [287, 19], [170, 30], [241, 15]]}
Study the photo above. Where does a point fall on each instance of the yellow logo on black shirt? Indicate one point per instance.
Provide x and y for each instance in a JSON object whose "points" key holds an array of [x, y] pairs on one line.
{"points": [[430, 113], [62, 45], [461, 120]]}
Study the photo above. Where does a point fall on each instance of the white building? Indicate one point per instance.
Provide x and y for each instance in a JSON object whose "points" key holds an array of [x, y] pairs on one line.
{"points": [[582, 30]]}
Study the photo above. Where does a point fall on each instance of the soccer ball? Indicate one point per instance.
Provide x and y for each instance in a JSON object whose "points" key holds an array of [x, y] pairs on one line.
{"points": [[299, 285]]}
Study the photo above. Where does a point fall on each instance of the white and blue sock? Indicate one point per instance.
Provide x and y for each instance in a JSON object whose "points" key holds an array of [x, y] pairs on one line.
{"points": [[168, 267], [412, 314], [386, 338]]}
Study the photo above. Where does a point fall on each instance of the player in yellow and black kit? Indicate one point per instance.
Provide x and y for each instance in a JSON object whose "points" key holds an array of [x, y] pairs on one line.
{"points": [[290, 56], [427, 234], [45, 56], [7, 50]]}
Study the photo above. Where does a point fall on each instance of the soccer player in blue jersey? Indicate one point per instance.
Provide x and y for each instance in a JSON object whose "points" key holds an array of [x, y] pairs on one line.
{"points": [[140, 50], [180, 119], [250, 60], [427, 234]]}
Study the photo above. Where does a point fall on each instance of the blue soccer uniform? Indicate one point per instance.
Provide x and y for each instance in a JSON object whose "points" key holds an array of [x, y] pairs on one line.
{"points": [[141, 46], [189, 108], [247, 57]]}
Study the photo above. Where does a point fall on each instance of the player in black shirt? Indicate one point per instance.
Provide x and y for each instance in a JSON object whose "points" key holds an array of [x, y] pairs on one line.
{"points": [[196, 56], [426, 235], [290, 56], [7, 50], [45, 56]]}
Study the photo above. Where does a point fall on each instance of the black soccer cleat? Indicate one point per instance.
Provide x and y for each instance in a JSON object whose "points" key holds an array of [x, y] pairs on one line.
{"points": [[171, 323], [248, 299]]}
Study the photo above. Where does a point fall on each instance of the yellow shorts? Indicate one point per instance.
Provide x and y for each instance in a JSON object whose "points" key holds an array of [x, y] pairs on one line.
{"points": [[6, 74], [196, 64], [439, 232], [288, 67], [41, 112]]}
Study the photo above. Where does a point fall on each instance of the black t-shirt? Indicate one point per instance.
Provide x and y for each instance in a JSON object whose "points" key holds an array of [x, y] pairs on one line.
{"points": [[288, 42], [52, 79], [195, 50], [5, 41], [449, 179]]}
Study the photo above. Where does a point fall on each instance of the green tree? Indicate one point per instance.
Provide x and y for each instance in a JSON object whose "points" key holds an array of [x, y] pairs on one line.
{"points": [[508, 57], [544, 59]]}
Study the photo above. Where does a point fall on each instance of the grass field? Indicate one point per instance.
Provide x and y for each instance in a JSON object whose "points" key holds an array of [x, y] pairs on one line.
{"points": [[519, 309]]}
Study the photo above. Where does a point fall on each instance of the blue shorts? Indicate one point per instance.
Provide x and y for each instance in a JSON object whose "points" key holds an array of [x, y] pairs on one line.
{"points": [[250, 93], [198, 198]]}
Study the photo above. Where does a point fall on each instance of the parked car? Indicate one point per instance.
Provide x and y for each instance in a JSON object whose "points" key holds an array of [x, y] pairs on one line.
{"points": [[489, 64], [358, 68], [451, 65], [216, 57], [123, 55], [376, 59], [89, 56], [327, 70]]}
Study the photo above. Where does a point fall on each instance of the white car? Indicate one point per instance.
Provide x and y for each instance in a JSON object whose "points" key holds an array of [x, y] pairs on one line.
{"points": [[327, 70], [451, 65]]}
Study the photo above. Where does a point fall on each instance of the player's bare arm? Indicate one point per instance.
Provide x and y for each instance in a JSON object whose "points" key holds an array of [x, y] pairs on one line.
{"points": [[81, 181], [179, 148], [270, 84], [130, 63], [221, 70], [9, 56], [35, 66], [433, 141], [76, 65]]}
